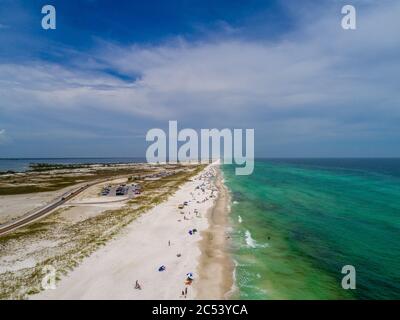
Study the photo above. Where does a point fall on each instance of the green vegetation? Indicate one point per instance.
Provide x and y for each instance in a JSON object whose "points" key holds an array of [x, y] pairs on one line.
{"points": [[39, 167], [32, 182], [6, 172]]}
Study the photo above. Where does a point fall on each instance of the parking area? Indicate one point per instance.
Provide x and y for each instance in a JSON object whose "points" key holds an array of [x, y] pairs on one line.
{"points": [[129, 190]]}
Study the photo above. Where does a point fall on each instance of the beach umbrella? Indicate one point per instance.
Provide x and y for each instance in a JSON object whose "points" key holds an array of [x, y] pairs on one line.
{"points": [[189, 276]]}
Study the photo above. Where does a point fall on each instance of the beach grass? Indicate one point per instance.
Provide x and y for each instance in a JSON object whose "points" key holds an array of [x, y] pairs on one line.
{"points": [[33, 182]]}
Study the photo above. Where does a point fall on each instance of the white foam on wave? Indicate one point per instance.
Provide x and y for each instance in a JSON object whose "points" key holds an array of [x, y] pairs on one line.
{"points": [[234, 287], [251, 243], [235, 202], [240, 219]]}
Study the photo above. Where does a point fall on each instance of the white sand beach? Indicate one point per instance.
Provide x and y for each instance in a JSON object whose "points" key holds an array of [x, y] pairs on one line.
{"points": [[158, 238]]}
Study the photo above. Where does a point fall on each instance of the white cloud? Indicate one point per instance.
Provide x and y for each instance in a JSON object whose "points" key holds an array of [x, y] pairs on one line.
{"points": [[319, 72]]}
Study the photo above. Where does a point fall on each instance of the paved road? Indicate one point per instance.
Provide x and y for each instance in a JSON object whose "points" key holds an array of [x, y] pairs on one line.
{"points": [[25, 220]]}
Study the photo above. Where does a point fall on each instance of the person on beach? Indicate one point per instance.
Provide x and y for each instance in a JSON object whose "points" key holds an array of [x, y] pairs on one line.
{"points": [[137, 285], [162, 268]]}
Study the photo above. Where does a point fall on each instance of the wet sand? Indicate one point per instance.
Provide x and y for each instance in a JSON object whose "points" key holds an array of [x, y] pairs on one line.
{"points": [[216, 266]]}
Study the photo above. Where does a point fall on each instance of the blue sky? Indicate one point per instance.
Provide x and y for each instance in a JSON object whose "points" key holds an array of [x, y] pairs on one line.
{"points": [[113, 70]]}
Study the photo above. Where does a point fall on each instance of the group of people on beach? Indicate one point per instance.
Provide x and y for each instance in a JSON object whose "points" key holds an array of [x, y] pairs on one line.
{"points": [[207, 176]]}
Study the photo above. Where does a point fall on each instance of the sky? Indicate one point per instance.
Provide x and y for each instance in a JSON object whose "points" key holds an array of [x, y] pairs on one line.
{"points": [[112, 70]]}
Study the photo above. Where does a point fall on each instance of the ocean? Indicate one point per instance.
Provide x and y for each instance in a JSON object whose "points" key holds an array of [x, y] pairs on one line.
{"points": [[297, 222]]}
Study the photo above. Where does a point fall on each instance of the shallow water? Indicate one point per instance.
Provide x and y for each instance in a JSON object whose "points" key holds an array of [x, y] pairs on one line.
{"points": [[298, 222]]}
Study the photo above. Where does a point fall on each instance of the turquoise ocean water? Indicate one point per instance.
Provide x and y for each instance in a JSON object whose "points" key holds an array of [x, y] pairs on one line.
{"points": [[296, 223]]}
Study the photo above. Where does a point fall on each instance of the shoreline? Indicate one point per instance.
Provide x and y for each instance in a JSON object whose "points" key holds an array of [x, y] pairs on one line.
{"points": [[215, 266], [160, 237]]}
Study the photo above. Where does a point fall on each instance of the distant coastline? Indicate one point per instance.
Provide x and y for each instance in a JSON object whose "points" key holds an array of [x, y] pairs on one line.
{"points": [[23, 164], [216, 267]]}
